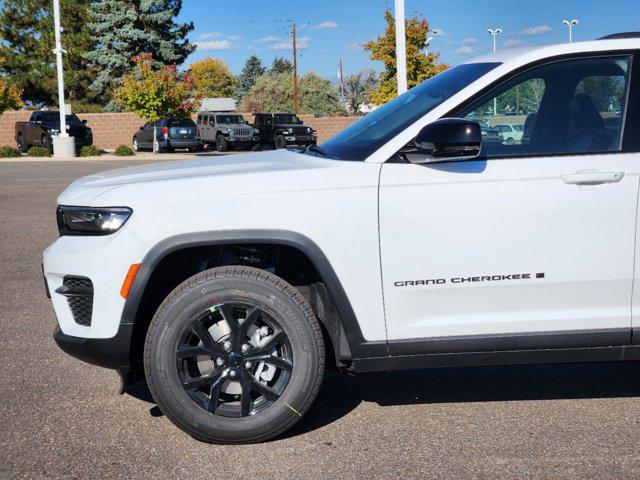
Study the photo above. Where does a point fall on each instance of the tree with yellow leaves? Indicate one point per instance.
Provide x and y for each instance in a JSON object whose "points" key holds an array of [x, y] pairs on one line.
{"points": [[420, 67], [212, 78], [9, 96]]}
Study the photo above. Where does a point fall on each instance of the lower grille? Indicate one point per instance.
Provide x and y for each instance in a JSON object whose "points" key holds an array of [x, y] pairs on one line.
{"points": [[79, 293]]}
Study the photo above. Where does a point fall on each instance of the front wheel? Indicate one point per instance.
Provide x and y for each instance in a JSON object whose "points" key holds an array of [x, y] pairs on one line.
{"points": [[234, 355], [221, 143], [281, 142]]}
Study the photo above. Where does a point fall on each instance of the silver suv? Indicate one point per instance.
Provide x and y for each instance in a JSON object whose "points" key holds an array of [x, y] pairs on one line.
{"points": [[226, 130]]}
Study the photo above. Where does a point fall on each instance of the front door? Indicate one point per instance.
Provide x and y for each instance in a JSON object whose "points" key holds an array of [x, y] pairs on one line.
{"points": [[531, 245]]}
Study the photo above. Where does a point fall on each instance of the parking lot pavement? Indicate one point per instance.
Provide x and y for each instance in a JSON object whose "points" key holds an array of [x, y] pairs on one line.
{"points": [[62, 418], [139, 156]]}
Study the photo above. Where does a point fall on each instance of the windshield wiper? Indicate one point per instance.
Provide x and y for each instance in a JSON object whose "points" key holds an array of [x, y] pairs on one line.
{"points": [[316, 149]]}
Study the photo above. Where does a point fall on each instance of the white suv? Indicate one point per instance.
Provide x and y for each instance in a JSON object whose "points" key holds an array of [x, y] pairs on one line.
{"points": [[402, 242]]}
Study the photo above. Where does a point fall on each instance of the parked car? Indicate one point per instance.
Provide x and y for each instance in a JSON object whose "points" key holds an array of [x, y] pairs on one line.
{"points": [[404, 241], [510, 132], [44, 124], [171, 134], [226, 130], [489, 133], [281, 130]]}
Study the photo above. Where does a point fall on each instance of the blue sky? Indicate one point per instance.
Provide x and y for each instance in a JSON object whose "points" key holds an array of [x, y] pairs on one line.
{"points": [[329, 30]]}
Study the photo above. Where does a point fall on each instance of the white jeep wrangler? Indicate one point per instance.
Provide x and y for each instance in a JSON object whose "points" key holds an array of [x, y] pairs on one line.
{"points": [[403, 242]]}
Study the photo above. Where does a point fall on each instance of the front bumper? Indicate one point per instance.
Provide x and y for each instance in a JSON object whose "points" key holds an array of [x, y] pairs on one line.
{"points": [[301, 140], [103, 352], [241, 141]]}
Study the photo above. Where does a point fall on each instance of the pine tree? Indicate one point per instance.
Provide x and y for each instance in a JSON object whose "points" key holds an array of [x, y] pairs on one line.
{"points": [[128, 28], [252, 70], [26, 57], [281, 65]]}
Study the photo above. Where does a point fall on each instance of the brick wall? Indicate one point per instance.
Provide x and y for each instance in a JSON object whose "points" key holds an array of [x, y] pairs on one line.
{"points": [[113, 129]]}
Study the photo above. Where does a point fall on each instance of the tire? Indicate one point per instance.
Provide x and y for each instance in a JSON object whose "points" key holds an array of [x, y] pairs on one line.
{"points": [[280, 142], [216, 397], [221, 143], [22, 146], [157, 148], [46, 142]]}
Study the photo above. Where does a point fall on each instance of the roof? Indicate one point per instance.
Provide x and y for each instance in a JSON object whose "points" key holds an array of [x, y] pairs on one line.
{"points": [[506, 55]]}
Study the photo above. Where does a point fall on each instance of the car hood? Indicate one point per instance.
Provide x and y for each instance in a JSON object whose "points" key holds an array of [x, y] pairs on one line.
{"points": [[92, 186]]}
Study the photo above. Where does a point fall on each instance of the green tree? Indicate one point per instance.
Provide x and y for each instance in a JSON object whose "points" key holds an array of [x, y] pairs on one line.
{"points": [[281, 65], [251, 71], [212, 78], [9, 96], [273, 92], [156, 94], [420, 67], [358, 87], [27, 34], [127, 28]]}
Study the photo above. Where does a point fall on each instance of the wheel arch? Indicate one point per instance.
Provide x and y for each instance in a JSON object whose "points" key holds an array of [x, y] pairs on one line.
{"points": [[342, 328]]}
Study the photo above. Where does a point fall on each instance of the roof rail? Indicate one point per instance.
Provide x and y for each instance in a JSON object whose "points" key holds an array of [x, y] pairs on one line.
{"points": [[621, 35]]}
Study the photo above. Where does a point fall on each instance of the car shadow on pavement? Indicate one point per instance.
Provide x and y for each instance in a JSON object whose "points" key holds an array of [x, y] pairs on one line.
{"points": [[340, 394]]}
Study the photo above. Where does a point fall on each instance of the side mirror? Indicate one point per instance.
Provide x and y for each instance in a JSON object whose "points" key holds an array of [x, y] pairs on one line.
{"points": [[142, 127], [84, 122], [446, 140]]}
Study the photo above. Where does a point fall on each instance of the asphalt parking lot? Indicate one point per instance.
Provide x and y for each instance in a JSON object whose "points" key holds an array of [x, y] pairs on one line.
{"points": [[62, 418]]}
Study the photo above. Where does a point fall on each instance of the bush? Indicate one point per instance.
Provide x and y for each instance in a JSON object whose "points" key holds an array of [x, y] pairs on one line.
{"points": [[39, 152], [89, 151], [9, 152], [123, 151]]}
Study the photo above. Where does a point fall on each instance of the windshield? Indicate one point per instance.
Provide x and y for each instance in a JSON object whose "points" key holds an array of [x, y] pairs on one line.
{"points": [[54, 117], [230, 119], [284, 118], [364, 137]]}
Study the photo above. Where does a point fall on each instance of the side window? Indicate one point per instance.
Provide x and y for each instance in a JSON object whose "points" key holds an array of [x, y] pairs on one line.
{"points": [[572, 106]]}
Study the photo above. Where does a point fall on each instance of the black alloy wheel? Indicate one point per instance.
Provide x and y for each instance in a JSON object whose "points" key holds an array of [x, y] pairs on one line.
{"points": [[238, 373]]}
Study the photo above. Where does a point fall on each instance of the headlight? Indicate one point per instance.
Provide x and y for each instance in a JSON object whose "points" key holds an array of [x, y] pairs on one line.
{"points": [[289, 130], [225, 131], [256, 131], [308, 130], [90, 220], [54, 131]]}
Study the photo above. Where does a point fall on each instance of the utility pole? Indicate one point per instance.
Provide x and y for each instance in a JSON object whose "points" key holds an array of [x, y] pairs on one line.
{"points": [[401, 48], [341, 82], [63, 144], [295, 72]]}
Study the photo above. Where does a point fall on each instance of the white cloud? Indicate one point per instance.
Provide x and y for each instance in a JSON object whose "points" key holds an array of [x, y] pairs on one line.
{"points": [[437, 32], [286, 44], [214, 45], [205, 36], [539, 30], [355, 46], [234, 38], [469, 41], [324, 25], [270, 39], [512, 42], [465, 50]]}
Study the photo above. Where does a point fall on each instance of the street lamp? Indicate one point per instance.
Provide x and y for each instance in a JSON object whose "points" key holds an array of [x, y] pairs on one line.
{"points": [[570, 24], [426, 44], [63, 144], [494, 33]]}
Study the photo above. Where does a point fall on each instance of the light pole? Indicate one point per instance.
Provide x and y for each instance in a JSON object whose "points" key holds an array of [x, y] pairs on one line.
{"points": [[63, 144], [494, 33], [401, 52], [426, 45], [570, 24]]}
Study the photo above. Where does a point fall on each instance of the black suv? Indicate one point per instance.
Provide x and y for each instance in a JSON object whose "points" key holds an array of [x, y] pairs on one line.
{"points": [[283, 129], [171, 133]]}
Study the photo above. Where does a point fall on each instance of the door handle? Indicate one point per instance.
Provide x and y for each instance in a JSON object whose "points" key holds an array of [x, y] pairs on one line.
{"points": [[591, 177]]}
